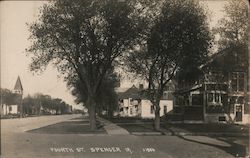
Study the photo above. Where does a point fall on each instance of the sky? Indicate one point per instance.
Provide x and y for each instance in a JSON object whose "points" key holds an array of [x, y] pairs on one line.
{"points": [[14, 15]]}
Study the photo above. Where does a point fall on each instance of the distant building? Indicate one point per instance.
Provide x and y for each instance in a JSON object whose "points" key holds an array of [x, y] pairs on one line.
{"points": [[134, 103], [17, 99]]}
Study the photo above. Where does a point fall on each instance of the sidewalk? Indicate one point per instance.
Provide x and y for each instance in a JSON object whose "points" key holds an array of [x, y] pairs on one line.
{"points": [[146, 128], [111, 128]]}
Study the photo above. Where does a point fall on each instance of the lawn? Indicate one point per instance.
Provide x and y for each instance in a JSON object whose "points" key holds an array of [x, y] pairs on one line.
{"points": [[129, 120], [207, 128], [146, 125]]}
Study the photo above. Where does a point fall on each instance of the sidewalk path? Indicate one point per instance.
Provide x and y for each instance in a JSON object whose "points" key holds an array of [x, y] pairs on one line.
{"points": [[111, 128]]}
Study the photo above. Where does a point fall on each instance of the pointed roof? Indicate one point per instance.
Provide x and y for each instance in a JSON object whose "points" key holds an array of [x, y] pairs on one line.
{"points": [[132, 92], [18, 85]]}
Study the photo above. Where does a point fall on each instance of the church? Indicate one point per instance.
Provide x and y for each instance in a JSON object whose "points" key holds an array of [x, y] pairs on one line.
{"points": [[14, 109]]}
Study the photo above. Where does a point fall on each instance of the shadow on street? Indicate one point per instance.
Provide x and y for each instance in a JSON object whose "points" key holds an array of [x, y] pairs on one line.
{"points": [[234, 149]]}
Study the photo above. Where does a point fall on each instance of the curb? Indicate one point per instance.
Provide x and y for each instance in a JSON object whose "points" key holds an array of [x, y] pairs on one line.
{"points": [[146, 133], [190, 134], [211, 134]]}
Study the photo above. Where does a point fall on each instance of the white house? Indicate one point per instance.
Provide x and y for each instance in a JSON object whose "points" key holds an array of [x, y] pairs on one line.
{"points": [[9, 109], [132, 103], [147, 109]]}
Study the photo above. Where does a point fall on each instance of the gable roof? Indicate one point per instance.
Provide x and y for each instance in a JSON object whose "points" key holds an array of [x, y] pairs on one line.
{"points": [[18, 85], [132, 92]]}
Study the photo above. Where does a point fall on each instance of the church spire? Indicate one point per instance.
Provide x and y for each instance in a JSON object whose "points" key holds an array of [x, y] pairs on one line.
{"points": [[18, 86]]}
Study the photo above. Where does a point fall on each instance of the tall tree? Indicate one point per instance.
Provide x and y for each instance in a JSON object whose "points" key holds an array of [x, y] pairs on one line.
{"points": [[179, 39], [232, 28], [82, 39], [106, 98]]}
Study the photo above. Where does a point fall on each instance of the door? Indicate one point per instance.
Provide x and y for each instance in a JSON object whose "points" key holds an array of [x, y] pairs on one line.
{"points": [[238, 113]]}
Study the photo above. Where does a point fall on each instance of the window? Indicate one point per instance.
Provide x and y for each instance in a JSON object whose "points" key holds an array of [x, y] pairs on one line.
{"points": [[210, 97], [10, 108], [121, 109], [247, 109], [217, 103], [214, 97], [197, 99], [152, 109], [217, 97], [241, 82], [237, 81], [240, 100], [165, 95], [165, 110], [131, 111], [234, 82]]}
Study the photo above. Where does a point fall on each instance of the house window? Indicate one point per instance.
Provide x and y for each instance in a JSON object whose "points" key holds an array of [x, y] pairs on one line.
{"points": [[165, 95], [165, 110], [216, 103], [240, 100], [10, 108], [241, 82], [237, 82], [217, 97], [131, 111], [214, 98], [210, 97], [197, 99], [152, 109], [121, 110]]}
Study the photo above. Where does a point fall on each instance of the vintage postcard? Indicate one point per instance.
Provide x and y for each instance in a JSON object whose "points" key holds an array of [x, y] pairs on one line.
{"points": [[124, 79]]}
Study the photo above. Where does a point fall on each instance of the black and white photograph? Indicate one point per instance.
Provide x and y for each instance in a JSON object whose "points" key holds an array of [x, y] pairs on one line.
{"points": [[124, 79]]}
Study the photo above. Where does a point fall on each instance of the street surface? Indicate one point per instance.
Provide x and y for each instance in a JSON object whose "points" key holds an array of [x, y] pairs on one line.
{"points": [[18, 142]]}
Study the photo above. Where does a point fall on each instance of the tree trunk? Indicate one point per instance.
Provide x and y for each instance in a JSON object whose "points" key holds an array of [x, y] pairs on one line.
{"points": [[92, 113], [157, 116]]}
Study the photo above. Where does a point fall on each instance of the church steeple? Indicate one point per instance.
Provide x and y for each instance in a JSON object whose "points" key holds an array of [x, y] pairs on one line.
{"points": [[18, 86]]}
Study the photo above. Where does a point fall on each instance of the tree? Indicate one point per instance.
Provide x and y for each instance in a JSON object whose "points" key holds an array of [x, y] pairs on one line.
{"points": [[9, 98], [232, 28], [29, 105], [106, 97], [82, 39], [179, 40]]}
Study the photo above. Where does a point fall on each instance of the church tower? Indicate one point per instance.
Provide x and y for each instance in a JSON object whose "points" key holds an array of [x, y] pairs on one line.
{"points": [[18, 89]]}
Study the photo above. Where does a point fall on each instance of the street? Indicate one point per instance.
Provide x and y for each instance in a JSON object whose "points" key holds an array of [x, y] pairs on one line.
{"points": [[18, 142]]}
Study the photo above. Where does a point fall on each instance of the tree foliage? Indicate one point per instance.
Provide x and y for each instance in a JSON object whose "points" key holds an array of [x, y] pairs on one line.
{"points": [[39, 104], [233, 27], [178, 41], [9, 98], [83, 39], [106, 99], [233, 35]]}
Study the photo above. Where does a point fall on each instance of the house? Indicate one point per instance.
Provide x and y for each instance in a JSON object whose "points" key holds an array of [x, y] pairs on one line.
{"points": [[9, 109], [219, 95], [133, 103]]}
